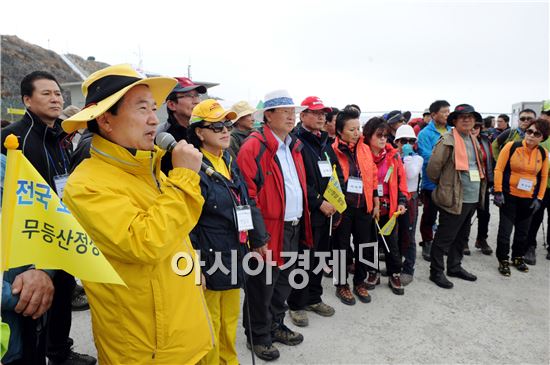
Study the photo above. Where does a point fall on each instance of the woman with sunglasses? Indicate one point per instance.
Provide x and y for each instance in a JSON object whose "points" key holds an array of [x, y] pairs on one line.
{"points": [[520, 180], [221, 233], [405, 138], [483, 214], [360, 181], [393, 195]]}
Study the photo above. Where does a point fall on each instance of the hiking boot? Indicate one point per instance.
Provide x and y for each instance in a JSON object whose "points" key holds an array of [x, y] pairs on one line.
{"points": [[406, 279], [426, 249], [441, 280], [530, 256], [361, 291], [462, 274], [79, 301], [299, 317], [321, 309], [283, 334], [504, 267], [519, 263], [343, 292], [74, 358], [264, 352], [372, 280], [394, 283], [482, 244]]}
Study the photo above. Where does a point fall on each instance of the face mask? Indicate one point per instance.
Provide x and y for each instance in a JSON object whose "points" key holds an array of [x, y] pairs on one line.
{"points": [[407, 150]]}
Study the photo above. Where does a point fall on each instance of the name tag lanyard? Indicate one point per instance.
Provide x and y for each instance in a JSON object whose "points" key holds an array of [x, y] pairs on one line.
{"points": [[59, 178], [238, 210]]}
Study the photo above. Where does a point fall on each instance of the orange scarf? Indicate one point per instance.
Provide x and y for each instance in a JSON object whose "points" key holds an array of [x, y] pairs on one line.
{"points": [[461, 157]]}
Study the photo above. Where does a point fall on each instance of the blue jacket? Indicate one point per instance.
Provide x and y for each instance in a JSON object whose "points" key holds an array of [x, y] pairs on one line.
{"points": [[427, 139]]}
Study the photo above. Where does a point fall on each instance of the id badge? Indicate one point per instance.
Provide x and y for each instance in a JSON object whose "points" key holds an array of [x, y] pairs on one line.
{"points": [[355, 185], [325, 168], [60, 181], [380, 190], [244, 218], [525, 184], [474, 175]]}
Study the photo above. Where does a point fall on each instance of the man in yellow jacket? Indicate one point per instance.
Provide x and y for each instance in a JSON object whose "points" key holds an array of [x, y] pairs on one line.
{"points": [[140, 220]]}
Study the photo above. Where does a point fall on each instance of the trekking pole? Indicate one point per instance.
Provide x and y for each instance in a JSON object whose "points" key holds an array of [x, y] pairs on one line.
{"points": [[473, 220], [381, 235]]}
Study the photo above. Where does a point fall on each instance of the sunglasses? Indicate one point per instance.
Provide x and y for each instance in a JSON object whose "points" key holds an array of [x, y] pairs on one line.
{"points": [[381, 135], [533, 133], [218, 126], [525, 119], [407, 140]]}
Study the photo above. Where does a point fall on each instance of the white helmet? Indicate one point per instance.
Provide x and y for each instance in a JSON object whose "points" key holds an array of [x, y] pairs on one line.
{"points": [[405, 131]]}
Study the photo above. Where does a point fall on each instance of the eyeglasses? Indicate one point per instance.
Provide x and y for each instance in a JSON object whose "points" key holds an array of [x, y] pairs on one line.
{"points": [[531, 132], [218, 126], [189, 95], [407, 140], [526, 119], [317, 113], [381, 135]]}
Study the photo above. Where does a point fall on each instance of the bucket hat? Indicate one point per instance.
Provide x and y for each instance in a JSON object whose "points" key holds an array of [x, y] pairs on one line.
{"points": [[277, 99], [105, 87]]}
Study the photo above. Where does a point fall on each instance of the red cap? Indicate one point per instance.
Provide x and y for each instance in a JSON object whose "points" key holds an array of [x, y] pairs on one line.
{"points": [[185, 84], [314, 103]]}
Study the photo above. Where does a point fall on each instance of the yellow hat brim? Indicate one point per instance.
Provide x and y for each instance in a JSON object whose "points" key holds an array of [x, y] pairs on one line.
{"points": [[160, 88]]}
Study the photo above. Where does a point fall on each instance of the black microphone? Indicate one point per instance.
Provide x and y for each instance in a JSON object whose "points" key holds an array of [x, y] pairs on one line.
{"points": [[167, 142]]}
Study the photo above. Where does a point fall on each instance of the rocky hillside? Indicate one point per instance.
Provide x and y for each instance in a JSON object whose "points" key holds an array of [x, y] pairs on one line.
{"points": [[19, 58]]}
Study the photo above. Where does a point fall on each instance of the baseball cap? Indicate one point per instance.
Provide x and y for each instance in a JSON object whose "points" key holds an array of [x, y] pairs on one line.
{"points": [[314, 103], [210, 110], [185, 84]]}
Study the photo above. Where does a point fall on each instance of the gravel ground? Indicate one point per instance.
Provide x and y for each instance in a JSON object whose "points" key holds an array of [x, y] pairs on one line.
{"points": [[495, 320]]}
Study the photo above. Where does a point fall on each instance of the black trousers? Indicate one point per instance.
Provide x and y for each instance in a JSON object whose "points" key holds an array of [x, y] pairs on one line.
{"points": [[356, 222], [514, 214], [429, 216], [451, 236], [266, 302], [483, 218], [393, 256], [60, 317], [536, 221], [311, 294]]}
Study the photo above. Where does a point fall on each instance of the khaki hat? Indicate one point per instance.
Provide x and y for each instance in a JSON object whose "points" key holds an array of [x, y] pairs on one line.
{"points": [[105, 87], [242, 108], [210, 111]]}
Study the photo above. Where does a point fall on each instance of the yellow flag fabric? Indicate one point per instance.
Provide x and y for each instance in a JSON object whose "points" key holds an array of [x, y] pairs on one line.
{"points": [[38, 229], [333, 193], [388, 227]]}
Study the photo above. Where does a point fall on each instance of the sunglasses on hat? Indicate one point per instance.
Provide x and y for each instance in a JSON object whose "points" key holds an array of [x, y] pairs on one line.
{"points": [[217, 127]]}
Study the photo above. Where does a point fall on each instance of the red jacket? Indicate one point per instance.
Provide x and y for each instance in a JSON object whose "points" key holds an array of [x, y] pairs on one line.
{"points": [[398, 179], [261, 171]]}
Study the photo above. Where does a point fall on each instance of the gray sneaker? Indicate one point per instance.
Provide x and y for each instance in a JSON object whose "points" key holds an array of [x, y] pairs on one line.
{"points": [[321, 309], [299, 317], [406, 279]]}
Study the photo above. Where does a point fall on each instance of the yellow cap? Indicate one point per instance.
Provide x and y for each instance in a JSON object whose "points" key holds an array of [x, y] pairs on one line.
{"points": [[210, 110]]}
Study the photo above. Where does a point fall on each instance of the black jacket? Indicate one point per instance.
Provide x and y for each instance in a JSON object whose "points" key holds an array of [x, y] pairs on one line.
{"points": [[216, 230], [48, 149], [314, 151], [179, 132]]}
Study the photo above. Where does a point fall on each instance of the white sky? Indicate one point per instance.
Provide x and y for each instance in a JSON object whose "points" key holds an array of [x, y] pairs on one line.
{"points": [[381, 55]]}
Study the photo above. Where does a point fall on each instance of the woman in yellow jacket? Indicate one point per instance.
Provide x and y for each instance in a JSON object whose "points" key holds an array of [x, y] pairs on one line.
{"points": [[140, 219], [520, 180]]}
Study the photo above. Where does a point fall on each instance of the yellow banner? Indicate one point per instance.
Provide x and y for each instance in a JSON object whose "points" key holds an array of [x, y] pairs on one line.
{"points": [[38, 229], [333, 193], [388, 227]]}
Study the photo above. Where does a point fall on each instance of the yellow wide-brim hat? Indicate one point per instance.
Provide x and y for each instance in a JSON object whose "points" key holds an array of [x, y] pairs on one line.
{"points": [[105, 87]]}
